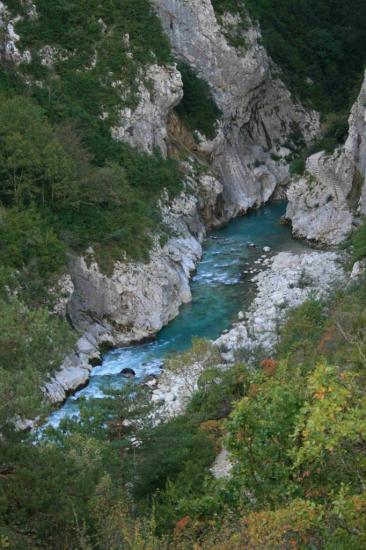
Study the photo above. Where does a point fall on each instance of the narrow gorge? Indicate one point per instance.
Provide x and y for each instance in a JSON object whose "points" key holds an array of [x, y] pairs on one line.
{"points": [[182, 267]]}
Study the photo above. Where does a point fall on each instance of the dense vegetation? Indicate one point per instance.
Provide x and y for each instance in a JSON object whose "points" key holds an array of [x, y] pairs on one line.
{"points": [[318, 44], [58, 156], [294, 425], [197, 107]]}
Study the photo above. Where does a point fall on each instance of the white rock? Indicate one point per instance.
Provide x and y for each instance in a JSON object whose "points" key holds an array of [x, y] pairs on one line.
{"points": [[322, 202], [358, 269], [145, 127], [258, 111], [280, 288], [222, 466]]}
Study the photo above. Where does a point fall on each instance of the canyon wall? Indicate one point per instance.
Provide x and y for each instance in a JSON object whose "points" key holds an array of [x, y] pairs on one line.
{"points": [[260, 117], [242, 168], [326, 202]]}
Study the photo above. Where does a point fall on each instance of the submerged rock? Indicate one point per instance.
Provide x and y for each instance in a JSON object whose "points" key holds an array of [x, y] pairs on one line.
{"points": [[128, 373]]}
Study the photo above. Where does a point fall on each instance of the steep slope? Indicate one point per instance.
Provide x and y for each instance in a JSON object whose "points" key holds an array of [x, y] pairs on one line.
{"points": [[108, 77], [325, 201], [259, 114]]}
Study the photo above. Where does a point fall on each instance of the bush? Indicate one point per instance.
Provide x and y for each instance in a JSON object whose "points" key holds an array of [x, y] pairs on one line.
{"points": [[32, 345], [358, 241], [30, 250], [165, 454], [297, 167], [197, 107]]}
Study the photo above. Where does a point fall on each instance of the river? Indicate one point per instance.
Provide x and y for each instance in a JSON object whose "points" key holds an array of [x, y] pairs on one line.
{"points": [[220, 290]]}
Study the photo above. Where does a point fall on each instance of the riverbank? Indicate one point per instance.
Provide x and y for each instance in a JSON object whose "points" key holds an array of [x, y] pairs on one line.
{"points": [[221, 288], [287, 281]]}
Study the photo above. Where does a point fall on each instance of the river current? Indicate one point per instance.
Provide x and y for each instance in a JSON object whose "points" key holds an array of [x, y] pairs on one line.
{"points": [[220, 289]]}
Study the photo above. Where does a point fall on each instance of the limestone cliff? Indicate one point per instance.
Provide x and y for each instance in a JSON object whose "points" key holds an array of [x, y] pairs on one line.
{"points": [[145, 126], [325, 201], [259, 115], [240, 168], [138, 299]]}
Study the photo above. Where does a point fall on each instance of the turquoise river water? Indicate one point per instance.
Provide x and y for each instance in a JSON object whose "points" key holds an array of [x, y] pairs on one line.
{"points": [[219, 291]]}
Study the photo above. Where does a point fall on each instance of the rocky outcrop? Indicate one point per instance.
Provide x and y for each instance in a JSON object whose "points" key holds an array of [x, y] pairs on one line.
{"points": [[9, 50], [247, 159], [290, 281], [221, 468], [259, 115], [145, 126], [287, 281], [325, 200], [138, 299]]}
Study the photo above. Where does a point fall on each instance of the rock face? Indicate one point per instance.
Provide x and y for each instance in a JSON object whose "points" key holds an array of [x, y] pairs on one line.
{"points": [[145, 127], [323, 203], [8, 47], [259, 115], [289, 282], [75, 370], [138, 299]]}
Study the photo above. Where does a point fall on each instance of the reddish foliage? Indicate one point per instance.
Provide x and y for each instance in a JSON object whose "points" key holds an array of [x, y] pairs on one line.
{"points": [[327, 340], [269, 366], [182, 524], [253, 390]]}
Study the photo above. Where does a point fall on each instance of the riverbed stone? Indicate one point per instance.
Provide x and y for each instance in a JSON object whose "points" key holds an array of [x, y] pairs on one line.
{"points": [[325, 202], [280, 288]]}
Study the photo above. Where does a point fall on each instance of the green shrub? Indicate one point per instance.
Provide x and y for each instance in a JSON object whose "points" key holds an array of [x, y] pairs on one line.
{"points": [[30, 252], [297, 167], [32, 345], [217, 390], [197, 107], [167, 452], [302, 332], [358, 241]]}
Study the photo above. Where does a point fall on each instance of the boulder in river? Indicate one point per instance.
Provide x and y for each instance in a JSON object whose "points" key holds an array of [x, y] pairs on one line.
{"points": [[151, 381], [128, 373], [267, 249], [251, 245]]}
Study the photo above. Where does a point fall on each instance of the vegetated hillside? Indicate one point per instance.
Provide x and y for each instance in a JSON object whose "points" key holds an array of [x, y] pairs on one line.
{"points": [[319, 45], [294, 425], [65, 183], [61, 169]]}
